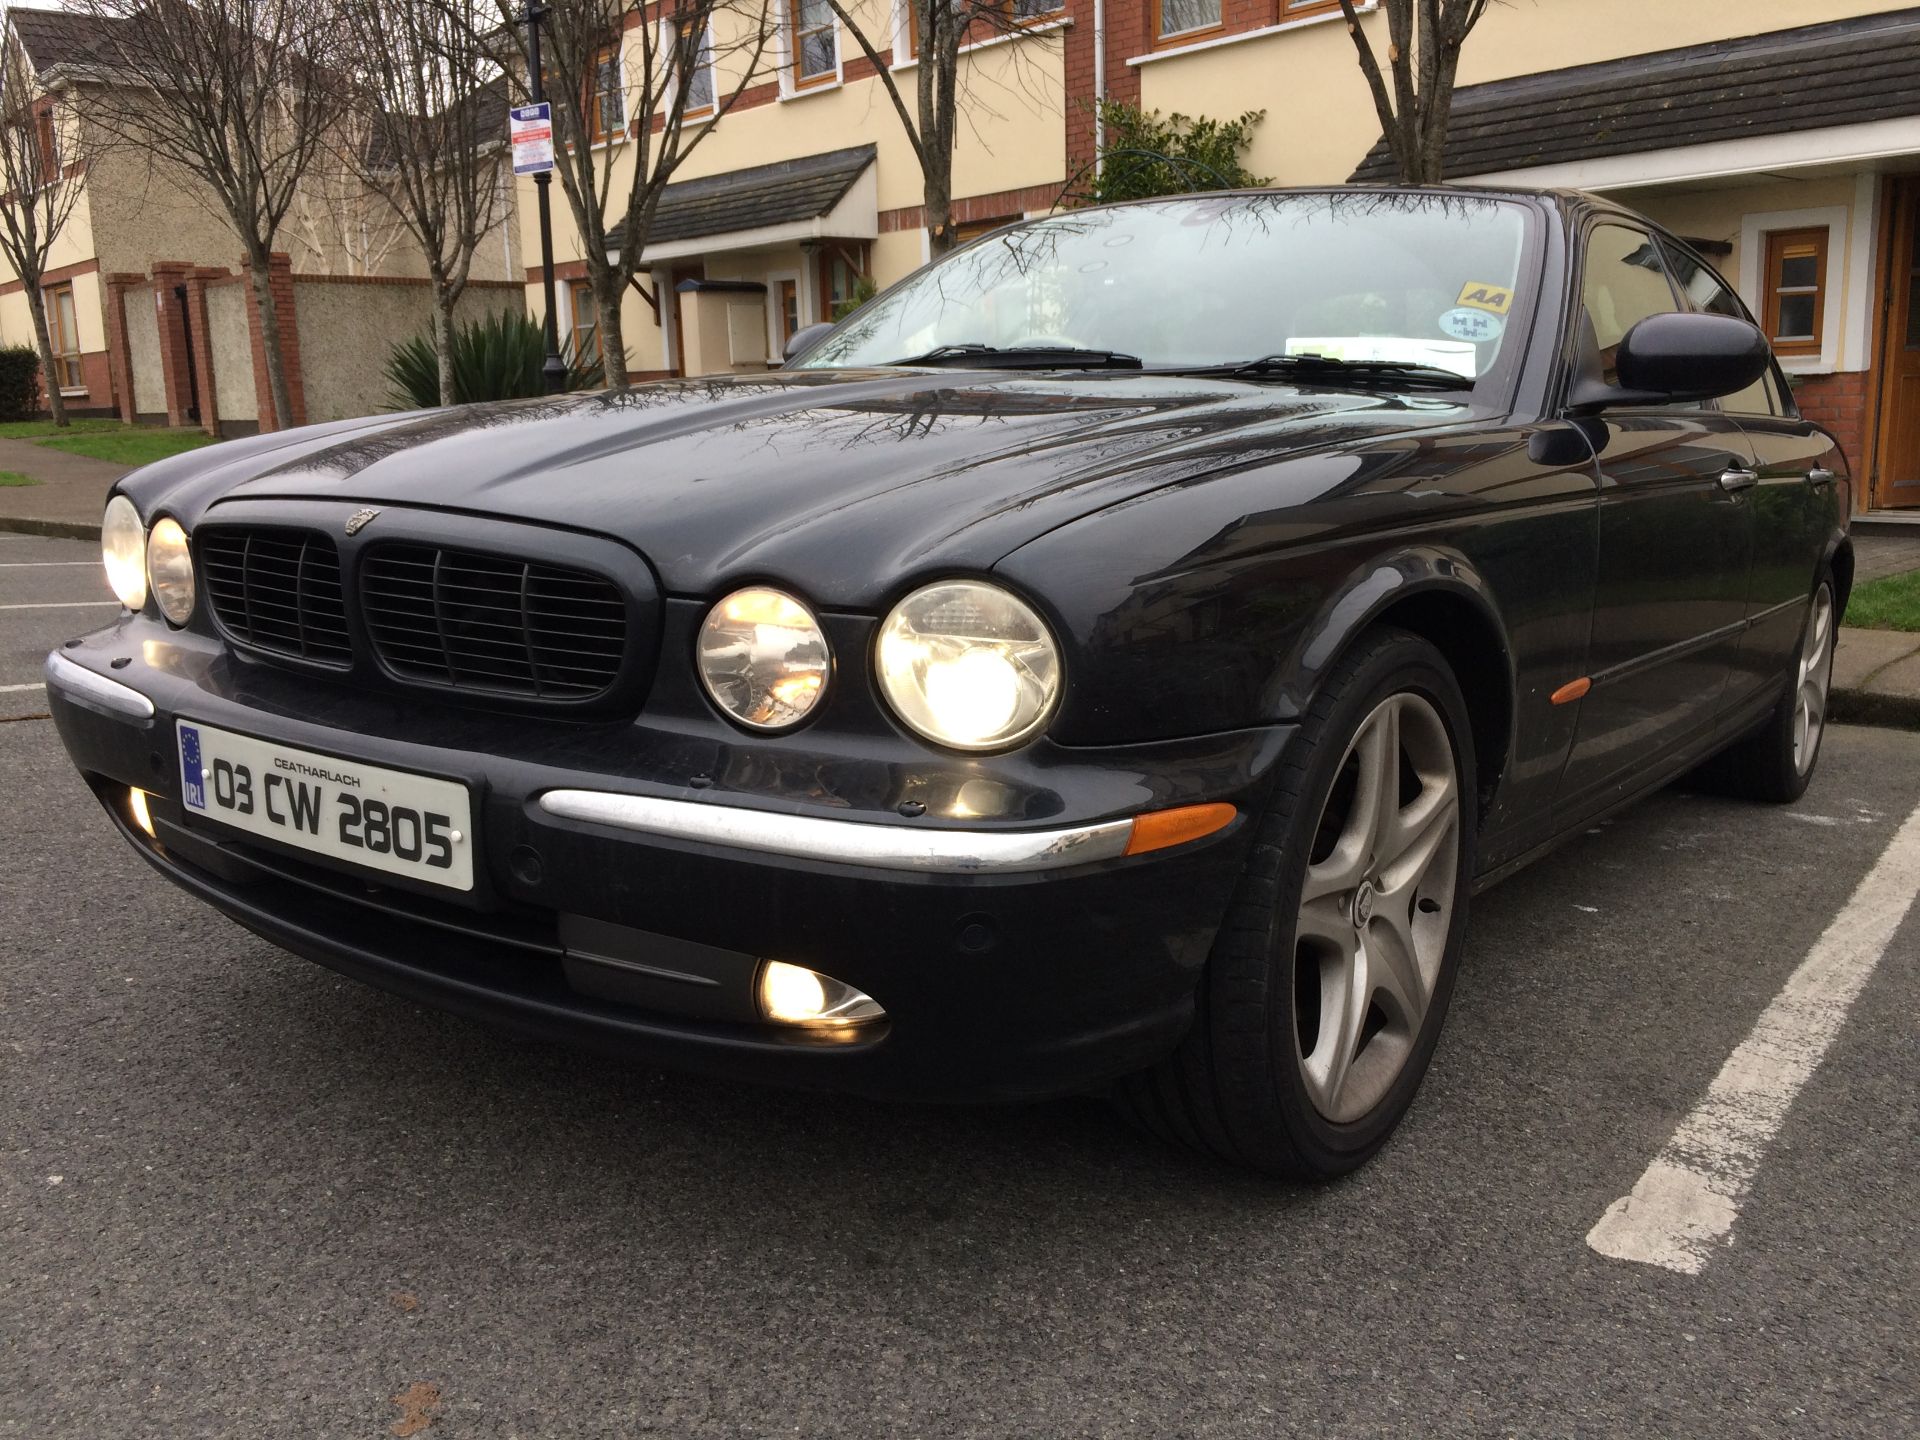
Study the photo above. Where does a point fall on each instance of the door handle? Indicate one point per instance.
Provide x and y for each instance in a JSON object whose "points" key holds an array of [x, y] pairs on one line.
{"points": [[1820, 475], [1734, 479]]}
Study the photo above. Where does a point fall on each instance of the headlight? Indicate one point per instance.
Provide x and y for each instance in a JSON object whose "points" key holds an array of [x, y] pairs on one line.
{"points": [[123, 550], [763, 658], [170, 571], [968, 665]]}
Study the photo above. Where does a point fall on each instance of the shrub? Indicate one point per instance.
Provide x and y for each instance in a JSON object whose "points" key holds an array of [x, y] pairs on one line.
{"points": [[496, 357], [1146, 155], [19, 382]]}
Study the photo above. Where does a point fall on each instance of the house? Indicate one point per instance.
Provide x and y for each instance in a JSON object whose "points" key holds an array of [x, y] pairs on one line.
{"points": [[149, 305], [1783, 138]]}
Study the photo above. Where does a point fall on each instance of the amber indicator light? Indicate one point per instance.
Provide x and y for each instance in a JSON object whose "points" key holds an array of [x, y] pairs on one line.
{"points": [[1572, 691], [1161, 828]]}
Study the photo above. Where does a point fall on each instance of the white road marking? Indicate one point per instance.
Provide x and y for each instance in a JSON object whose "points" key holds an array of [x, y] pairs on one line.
{"points": [[14, 689], [1684, 1207], [59, 604]]}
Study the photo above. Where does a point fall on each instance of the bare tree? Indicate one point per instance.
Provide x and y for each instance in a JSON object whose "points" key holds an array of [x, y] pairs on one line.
{"points": [[239, 97], [40, 168], [1423, 55], [431, 137], [938, 32], [630, 103]]}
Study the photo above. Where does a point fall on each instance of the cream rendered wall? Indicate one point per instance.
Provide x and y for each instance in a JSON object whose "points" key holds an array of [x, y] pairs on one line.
{"points": [[143, 348], [230, 337], [1012, 133], [1320, 120]]}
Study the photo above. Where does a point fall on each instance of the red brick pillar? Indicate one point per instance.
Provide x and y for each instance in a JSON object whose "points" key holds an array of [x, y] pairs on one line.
{"points": [[173, 339], [283, 311], [119, 351], [203, 346], [1127, 34]]}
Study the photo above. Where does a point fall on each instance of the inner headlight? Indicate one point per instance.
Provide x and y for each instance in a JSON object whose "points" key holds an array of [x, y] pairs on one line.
{"points": [[123, 550], [968, 665], [763, 658], [170, 570]]}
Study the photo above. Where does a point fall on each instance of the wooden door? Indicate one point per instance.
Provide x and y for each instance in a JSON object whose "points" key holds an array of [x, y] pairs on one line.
{"points": [[1897, 476]]}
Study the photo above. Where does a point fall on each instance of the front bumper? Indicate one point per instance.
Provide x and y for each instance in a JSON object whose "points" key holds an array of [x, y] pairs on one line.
{"points": [[630, 879]]}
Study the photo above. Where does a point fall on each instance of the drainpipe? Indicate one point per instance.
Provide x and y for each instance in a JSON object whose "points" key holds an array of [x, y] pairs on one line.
{"points": [[1099, 80]]}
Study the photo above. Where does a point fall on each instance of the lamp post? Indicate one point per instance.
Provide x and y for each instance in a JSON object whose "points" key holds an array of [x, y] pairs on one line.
{"points": [[554, 372]]}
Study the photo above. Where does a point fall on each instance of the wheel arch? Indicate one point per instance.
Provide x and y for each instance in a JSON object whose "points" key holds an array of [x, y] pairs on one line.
{"points": [[1440, 596]]}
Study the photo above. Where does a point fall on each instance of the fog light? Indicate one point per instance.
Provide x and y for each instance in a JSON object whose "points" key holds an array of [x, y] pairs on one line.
{"points": [[795, 995], [137, 803]]}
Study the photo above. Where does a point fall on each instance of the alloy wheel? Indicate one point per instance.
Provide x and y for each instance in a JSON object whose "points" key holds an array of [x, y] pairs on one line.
{"points": [[1816, 673], [1376, 907]]}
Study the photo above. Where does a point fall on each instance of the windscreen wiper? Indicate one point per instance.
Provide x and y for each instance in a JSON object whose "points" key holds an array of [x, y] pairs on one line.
{"points": [[1310, 368], [1024, 357]]}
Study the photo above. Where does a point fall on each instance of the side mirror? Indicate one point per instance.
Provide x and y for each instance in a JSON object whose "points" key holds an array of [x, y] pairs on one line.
{"points": [[804, 338], [1674, 358]]}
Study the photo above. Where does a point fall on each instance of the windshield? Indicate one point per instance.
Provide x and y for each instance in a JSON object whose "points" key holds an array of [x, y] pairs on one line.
{"points": [[1402, 278]]}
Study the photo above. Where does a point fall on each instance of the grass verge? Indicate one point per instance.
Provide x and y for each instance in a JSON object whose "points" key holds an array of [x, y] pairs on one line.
{"points": [[1890, 603], [128, 446], [14, 477]]}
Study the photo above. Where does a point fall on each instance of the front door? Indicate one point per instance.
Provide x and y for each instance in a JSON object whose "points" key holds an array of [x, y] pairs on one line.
{"points": [[1896, 481], [677, 361], [1676, 542]]}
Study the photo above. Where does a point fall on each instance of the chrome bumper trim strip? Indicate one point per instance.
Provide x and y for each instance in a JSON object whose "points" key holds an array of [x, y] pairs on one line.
{"points": [[96, 692], [886, 847]]}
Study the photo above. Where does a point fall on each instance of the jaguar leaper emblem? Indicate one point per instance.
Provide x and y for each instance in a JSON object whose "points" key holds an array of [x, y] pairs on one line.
{"points": [[359, 520]]}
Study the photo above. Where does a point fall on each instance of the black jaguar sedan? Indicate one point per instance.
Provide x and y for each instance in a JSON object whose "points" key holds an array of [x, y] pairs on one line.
{"points": [[1107, 661]]}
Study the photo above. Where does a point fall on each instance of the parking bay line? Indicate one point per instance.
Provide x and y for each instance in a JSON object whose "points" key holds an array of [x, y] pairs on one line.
{"points": [[15, 689], [1684, 1207]]}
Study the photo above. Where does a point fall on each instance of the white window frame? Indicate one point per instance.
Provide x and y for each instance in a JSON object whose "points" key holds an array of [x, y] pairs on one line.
{"points": [[612, 137], [1754, 230], [785, 54]]}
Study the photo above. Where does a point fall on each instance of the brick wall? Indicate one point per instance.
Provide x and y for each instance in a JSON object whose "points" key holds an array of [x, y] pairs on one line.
{"points": [[1840, 402]]}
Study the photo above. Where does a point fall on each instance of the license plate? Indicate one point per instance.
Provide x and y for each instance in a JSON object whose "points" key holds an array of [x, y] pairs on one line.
{"points": [[382, 819]]}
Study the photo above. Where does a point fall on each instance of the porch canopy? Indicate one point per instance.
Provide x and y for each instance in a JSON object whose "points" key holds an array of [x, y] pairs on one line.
{"points": [[1840, 94], [832, 195]]}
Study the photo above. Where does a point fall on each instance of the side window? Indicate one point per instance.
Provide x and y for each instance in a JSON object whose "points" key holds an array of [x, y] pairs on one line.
{"points": [[1625, 282], [1710, 293]]}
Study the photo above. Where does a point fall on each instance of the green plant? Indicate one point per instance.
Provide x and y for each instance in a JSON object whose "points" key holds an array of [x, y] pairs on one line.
{"points": [[19, 382], [1889, 603], [1146, 155], [496, 357], [863, 290]]}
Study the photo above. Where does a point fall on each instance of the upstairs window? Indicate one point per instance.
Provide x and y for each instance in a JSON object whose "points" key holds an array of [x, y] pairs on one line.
{"points": [[700, 81], [1186, 17], [47, 142], [1794, 301], [607, 105], [816, 43]]}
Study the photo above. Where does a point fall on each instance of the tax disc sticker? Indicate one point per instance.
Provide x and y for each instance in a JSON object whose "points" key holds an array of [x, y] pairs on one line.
{"points": [[1474, 325], [1495, 299]]}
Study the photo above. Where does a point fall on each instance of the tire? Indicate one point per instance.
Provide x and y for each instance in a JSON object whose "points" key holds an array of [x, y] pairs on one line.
{"points": [[1259, 1080], [1776, 762]]}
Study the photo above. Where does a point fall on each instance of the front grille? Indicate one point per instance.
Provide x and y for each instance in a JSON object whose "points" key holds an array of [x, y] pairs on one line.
{"points": [[277, 590], [472, 621]]}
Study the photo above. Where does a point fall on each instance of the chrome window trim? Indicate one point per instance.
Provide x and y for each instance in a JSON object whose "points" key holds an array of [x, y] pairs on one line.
{"points": [[851, 842]]}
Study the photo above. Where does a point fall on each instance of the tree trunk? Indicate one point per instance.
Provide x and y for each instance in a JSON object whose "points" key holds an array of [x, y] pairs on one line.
{"points": [[262, 272], [49, 383], [443, 302], [613, 344], [939, 202]]}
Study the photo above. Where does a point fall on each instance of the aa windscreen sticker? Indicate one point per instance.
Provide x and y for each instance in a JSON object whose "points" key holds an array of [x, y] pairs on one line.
{"points": [[1494, 299]]}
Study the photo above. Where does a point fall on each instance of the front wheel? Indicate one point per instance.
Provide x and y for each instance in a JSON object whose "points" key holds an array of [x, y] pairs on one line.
{"points": [[1326, 989]]}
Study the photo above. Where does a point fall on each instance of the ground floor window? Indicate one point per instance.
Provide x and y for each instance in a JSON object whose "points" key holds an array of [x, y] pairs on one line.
{"points": [[841, 272], [789, 311], [1794, 290], [65, 335], [586, 324]]}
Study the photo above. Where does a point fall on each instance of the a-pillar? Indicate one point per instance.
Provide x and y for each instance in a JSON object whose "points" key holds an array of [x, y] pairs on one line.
{"points": [[283, 313], [119, 350], [203, 346], [168, 277]]}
